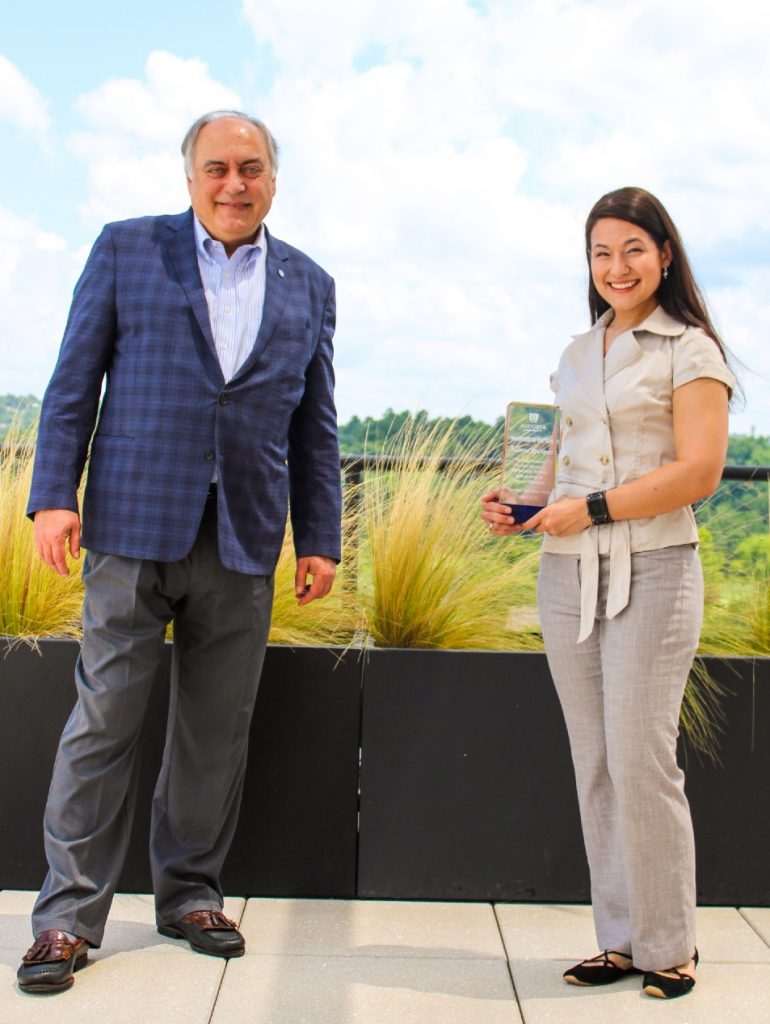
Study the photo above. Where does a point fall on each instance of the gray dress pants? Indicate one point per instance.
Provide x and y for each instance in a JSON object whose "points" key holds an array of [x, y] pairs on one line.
{"points": [[620, 691], [221, 621]]}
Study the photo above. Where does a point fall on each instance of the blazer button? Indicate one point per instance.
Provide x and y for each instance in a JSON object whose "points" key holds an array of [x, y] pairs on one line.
{"points": [[223, 399], [605, 460], [209, 455], [568, 421], [565, 460]]}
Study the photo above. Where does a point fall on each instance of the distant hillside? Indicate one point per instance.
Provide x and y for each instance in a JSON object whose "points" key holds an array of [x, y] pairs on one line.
{"points": [[22, 409], [369, 434]]}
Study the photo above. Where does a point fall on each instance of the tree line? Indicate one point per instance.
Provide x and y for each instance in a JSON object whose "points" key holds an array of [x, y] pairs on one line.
{"points": [[736, 515]]}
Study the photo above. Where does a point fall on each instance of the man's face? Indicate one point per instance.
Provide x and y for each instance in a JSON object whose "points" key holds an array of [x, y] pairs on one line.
{"points": [[232, 184]]}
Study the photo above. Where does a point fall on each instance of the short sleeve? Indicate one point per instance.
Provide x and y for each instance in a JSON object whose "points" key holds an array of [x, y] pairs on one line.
{"points": [[697, 355]]}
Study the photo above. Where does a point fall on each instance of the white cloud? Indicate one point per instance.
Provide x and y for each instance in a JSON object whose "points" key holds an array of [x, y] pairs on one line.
{"points": [[135, 128], [37, 274], [20, 102], [440, 159], [742, 313]]}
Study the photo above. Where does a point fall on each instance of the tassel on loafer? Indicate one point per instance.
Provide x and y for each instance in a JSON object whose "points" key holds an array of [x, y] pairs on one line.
{"points": [[51, 961], [661, 986], [604, 972], [207, 931]]}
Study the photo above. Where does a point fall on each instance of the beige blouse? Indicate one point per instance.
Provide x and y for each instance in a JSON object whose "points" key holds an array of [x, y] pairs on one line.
{"points": [[617, 425]]}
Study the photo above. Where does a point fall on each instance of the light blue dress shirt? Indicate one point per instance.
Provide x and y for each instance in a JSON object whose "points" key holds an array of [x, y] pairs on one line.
{"points": [[235, 295]]}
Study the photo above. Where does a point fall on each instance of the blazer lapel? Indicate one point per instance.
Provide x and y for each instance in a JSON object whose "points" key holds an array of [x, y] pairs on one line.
{"points": [[180, 245], [277, 286]]}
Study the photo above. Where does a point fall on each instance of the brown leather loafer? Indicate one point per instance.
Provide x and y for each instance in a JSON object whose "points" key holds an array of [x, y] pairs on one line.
{"points": [[50, 962], [207, 931]]}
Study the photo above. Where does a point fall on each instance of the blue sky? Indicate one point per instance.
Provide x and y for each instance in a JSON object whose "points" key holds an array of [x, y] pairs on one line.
{"points": [[438, 158]]}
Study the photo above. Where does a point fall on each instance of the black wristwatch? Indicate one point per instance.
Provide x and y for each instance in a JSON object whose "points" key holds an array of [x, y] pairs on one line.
{"points": [[597, 508]]}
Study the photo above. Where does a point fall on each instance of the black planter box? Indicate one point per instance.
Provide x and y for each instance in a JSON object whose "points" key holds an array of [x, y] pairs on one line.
{"points": [[297, 832], [730, 801], [468, 793], [466, 784]]}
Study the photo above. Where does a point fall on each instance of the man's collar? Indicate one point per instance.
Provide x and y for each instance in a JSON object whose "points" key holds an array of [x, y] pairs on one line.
{"points": [[203, 240]]}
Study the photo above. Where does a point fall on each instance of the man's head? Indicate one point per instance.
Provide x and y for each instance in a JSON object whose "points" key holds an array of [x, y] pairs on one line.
{"points": [[231, 161]]}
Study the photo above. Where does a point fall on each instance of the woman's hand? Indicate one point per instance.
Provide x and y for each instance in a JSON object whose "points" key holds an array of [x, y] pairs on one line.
{"points": [[498, 517], [563, 518]]}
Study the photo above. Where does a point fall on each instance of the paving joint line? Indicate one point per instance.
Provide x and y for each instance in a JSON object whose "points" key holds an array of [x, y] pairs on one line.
{"points": [[216, 994], [753, 927], [508, 965], [224, 968]]}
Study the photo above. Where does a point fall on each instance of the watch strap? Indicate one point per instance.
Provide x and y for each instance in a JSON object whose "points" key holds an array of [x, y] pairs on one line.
{"points": [[597, 508]]}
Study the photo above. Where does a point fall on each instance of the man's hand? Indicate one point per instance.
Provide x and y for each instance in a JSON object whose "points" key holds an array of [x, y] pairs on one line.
{"points": [[322, 571], [54, 528]]}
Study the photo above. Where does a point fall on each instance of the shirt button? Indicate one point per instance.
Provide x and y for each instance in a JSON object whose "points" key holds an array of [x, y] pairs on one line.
{"points": [[605, 459], [227, 309], [565, 460], [209, 455]]}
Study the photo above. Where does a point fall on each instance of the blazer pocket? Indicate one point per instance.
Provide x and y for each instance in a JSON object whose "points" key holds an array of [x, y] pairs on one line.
{"points": [[293, 329]]}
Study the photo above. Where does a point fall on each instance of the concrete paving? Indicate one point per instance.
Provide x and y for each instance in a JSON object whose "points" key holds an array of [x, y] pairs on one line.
{"points": [[382, 962]]}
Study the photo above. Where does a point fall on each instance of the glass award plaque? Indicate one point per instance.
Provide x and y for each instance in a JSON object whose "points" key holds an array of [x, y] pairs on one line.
{"points": [[529, 458]]}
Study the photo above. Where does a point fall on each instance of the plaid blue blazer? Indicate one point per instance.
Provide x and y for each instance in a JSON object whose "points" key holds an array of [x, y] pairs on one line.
{"points": [[139, 325]]}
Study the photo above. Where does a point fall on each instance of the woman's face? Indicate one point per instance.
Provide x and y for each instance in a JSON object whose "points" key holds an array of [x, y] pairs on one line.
{"points": [[626, 267]]}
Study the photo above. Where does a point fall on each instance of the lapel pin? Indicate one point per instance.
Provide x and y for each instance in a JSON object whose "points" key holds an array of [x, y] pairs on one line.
{"points": [[281, 273]]}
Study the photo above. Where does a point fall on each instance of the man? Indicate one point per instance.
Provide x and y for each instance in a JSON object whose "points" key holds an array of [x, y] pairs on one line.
{"points": [[215, 340]]}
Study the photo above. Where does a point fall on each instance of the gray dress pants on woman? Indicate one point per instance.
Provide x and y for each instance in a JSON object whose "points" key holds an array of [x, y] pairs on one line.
{"points": [[620, 691]]}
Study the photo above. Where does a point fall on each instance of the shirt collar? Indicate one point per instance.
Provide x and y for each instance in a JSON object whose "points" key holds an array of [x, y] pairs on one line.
{"points": [[658, 322], [204, 242]]}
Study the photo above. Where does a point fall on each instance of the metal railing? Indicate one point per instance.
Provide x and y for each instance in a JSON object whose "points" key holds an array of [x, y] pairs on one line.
{"points": [[354, 466]]}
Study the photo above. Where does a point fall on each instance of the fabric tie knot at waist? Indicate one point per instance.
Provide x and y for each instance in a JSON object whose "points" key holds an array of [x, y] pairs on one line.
{"points": [[620, 574]]}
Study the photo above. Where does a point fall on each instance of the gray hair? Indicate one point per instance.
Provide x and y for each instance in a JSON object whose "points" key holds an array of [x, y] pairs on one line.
{"points": [[188, 143]]}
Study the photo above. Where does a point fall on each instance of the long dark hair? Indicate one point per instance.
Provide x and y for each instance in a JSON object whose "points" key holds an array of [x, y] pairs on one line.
{"points": [[678, 294]]}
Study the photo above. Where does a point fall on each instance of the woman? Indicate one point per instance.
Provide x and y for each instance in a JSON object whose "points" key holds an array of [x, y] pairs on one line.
{"points": [[644, 398]]}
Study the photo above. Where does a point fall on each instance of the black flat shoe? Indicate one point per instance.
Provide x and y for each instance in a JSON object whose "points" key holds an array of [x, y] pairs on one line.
{"points": [[663, 987], [604, 973]]}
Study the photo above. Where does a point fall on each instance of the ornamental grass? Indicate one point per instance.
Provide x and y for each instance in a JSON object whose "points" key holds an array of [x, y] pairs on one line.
{"points": [[736, 623], [332, 621], [34, 601], [431, 575]]}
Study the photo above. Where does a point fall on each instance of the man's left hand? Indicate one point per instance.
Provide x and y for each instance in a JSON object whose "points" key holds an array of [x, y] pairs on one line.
{"points": [[321, 571]]}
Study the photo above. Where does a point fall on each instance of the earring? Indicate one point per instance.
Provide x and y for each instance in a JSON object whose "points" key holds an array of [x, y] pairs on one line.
{"points": [[665, 273]]}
